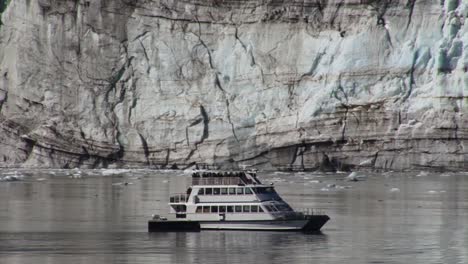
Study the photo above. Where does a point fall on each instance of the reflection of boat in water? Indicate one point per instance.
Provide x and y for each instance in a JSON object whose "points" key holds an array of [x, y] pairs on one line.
{"points": [[233, 201]]}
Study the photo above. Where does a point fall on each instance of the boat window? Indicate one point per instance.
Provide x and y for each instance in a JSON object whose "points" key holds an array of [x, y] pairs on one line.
{"points": [[254, 208], [238, 208], [232, 191], [260, 210], [199, 209], [240, 190], [264, 190], [222, 209], [274, 208], [246, 208], [230, 209], [283, 207], [208, 191], [269, 209], [224, 191], [214, 209], [248, 191], [216, 191], [180, 208], [206, 209], [201, 191]]}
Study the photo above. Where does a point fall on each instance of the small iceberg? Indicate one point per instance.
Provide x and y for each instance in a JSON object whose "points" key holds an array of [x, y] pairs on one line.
{"points": [[422, 174], [339, 187], [394, 190], [75, 176], [122, 183], [108, 172], [189, 171], [12, 178], [354, 176]]}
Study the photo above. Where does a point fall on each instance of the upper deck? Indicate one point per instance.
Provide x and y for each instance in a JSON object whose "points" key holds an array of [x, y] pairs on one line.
{"points": [[224, 178]]}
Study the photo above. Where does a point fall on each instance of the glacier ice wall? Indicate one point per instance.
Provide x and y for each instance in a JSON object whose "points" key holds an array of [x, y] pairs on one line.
{"points": [[339, 84]]}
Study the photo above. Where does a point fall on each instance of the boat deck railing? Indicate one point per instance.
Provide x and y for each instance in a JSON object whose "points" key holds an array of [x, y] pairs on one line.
{"points": [[217, 181], [224, 178], [178, 198], [309, 211]]}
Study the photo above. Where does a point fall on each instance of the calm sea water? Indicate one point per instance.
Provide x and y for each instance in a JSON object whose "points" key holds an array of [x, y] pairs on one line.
{"points": [[92, 216]]}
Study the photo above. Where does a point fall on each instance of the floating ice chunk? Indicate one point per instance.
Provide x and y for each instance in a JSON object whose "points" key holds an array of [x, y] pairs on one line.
{"points": [[330, 186], [315, 181], [445, 174], [343, 187], [75, 176], [12, 178], [280, 173], [165, 181], [122, 183], [432, 192], [325, 189], [277, 180], [354, 176], [41, 179], [394, 190], [188, 171], [422, 174], [107, 172]]}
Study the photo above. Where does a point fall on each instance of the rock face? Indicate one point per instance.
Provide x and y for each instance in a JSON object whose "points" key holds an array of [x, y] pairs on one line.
{"points": [[278, 84]]}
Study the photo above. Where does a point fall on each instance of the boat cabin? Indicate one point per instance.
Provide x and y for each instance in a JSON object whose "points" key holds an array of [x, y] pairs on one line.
{"points": [[228, 196]]}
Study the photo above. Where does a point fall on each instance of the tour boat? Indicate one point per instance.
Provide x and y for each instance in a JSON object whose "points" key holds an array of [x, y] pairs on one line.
{"points": [[233, 201]]}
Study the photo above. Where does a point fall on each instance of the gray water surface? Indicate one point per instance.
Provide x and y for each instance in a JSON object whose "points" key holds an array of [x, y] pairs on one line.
{"points": [[100, 216]]}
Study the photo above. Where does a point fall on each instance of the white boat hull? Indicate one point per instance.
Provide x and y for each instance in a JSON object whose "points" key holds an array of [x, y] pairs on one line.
{"points": [[254, 225]]}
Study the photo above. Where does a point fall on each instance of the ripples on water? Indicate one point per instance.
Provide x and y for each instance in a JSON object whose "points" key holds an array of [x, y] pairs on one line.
{"points": [[99, 216]]}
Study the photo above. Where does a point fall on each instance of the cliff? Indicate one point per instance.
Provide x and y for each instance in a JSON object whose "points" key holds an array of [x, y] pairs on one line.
{"points": [[337, 84]]}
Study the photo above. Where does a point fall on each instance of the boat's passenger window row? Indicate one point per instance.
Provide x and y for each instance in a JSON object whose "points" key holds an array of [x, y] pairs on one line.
{"points": [[229, 209], [278, 207], [225, 191], [264, 190]]}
